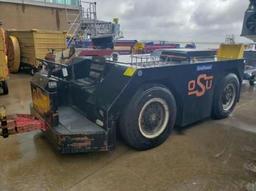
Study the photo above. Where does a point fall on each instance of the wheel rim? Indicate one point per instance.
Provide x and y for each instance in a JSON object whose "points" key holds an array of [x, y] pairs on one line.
{"points": [[153, 118], [228, 97]]}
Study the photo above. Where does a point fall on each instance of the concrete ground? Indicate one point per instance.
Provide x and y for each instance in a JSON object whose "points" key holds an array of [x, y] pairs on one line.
{"points": [[211, 155]]}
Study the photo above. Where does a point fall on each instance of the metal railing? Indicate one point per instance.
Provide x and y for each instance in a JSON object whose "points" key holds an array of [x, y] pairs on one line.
{"points": [[138, 61]]}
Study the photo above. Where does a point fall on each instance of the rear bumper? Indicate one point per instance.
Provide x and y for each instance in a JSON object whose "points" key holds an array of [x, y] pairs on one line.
{"points": [[67, 141]]}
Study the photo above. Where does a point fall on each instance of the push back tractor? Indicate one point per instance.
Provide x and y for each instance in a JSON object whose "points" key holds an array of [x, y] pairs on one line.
{"points": [[84, 103], [80, 106]]}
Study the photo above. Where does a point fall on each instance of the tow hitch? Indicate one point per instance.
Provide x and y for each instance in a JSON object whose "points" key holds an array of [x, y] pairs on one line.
{"points": [[18, 123]]}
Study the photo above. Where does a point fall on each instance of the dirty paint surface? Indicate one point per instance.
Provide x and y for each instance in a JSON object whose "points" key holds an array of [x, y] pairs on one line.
{"points": [[41, 101], [210, 155]]}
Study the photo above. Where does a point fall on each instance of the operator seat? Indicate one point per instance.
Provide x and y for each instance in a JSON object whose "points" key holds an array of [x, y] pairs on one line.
{"points": [[83, 88], [95, 75]]}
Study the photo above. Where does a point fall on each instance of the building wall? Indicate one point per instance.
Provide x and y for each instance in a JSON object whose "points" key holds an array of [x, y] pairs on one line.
{"points": [[25, 17]]}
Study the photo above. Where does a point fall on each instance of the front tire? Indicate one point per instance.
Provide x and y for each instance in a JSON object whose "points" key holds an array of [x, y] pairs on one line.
{"points": [[226, 97], [149, 118]]}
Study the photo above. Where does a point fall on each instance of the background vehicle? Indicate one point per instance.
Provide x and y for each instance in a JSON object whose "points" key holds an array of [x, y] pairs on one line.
{"points": [[250, 57], [249, 31]]}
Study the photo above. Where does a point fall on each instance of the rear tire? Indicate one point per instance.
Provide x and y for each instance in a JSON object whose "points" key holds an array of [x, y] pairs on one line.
{"points": [[226, 97], [149, 118]]}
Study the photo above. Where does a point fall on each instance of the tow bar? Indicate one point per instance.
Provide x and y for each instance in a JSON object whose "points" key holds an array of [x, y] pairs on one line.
{"points": [[18, 123]]}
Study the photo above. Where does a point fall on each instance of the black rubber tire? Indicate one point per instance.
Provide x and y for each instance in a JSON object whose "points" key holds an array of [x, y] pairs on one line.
{"points": [[218, 111], [129, 126], [4, 86], [252, 82]]}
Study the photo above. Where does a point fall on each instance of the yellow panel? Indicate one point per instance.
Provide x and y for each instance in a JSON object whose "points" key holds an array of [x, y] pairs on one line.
{"points": [[3, 66], [41, 101], [129, 72], [230, 51], [2, 39], [1, 43]]}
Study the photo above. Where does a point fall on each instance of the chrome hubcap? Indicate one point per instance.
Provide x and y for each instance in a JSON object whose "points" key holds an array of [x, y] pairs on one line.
{"points": [[228, 97], [153, 118]]}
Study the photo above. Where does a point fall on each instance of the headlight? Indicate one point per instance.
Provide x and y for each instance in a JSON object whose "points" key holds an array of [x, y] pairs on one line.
{"points": [[52, 85], [64, 72]]}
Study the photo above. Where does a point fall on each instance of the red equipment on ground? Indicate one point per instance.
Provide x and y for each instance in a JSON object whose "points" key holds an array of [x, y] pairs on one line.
{"points": [[19, 123]]}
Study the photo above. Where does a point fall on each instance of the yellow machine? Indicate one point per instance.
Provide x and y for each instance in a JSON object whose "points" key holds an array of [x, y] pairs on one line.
{"points": [[26, 46], [3, 64], [138, 48], [230, 51]]}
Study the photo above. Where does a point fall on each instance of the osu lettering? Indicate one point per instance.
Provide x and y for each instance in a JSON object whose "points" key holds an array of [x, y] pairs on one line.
{"points": [[199, 86]]}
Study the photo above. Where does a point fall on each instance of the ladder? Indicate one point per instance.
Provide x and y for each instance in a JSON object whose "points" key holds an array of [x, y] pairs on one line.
{"points": [[86, 24]]}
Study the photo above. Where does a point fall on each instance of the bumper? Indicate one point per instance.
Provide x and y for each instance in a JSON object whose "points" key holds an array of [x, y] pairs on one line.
{"points": [[75, 134]]}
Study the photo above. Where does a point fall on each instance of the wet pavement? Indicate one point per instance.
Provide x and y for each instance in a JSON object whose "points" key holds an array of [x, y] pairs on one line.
{"points": [[211, 155]]}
